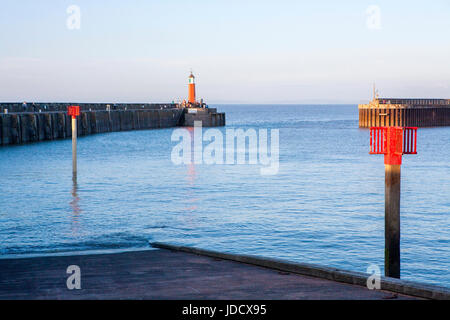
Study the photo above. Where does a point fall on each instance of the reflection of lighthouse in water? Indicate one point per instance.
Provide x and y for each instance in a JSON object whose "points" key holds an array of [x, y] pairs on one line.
{"points": [[191, 166], [191, 175]]}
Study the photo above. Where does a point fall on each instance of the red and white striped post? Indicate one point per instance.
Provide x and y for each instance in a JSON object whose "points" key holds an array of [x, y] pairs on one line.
{"points": [[74, 111], [393, 142]]}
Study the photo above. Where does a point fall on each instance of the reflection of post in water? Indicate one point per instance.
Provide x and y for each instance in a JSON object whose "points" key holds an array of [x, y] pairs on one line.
{"points": [[191, 174], [74, 203]]}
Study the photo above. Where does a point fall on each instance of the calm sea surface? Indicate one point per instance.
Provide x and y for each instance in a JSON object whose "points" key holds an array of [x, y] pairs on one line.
{"points": [[325, 205]]}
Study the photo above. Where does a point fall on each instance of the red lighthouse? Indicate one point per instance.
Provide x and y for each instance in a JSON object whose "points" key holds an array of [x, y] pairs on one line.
{"points": [[191, 96]]}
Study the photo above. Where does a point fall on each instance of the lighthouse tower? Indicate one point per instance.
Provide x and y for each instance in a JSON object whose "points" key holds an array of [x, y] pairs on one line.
{"points": [[191, 96]]}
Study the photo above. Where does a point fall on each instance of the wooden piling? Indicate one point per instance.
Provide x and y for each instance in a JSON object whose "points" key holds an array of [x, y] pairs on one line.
{"points": [[364, 118], [367, 118], [74, 148], [392, 221]]}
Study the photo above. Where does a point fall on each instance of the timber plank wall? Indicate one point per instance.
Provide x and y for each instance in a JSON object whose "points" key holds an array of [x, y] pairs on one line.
{"points": [[405, 113]]}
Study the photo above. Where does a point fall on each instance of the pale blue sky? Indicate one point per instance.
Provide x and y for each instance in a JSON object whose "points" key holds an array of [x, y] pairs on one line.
{"points": [[241, 51]]}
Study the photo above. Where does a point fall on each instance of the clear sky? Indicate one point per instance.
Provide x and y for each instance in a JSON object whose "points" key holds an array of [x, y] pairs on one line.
{"points": [[241, 51]]}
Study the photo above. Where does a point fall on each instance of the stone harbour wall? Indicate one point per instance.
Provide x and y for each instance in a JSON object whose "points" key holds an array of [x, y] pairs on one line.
{"points": [[42, 121], [32, 127], [209, 117]]}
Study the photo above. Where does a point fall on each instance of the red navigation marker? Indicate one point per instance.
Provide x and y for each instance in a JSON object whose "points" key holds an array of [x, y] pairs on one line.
{"points": [[73, 111], [393, 142]]}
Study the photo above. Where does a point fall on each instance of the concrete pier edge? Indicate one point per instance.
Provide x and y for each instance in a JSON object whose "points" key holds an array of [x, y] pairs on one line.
{"points": [[357, 278]]}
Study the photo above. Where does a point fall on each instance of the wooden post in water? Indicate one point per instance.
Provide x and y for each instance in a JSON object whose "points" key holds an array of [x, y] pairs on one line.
{"points": [[392, 163], [392, 221], [393, 142], [74, 148], [74, 111]]}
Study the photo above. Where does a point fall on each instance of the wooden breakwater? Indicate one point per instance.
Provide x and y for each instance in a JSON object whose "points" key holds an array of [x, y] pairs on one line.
{"points": [[382, 112], [23, 123]]}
